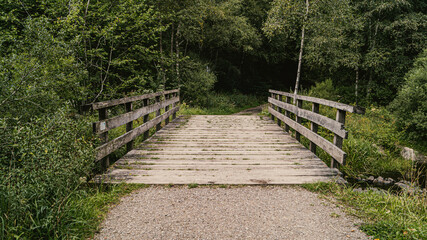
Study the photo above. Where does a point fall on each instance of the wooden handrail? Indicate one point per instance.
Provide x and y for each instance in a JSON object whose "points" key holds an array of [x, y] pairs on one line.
{"points": [[277, 106], [114, 102], [329, 103], [105, 124]]}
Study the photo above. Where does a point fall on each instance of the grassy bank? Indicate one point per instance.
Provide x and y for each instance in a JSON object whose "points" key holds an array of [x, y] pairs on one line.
{"points": [[386, 215]]}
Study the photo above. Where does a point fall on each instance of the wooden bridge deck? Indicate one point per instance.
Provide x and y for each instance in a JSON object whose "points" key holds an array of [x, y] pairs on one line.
{"points": [[230, 149]]}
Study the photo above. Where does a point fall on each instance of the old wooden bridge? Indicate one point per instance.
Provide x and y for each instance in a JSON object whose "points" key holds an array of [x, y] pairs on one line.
{"points": [[221, 149]]}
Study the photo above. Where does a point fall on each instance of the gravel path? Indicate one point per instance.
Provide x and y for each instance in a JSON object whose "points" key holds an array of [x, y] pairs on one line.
{"points": [[251, 212]]}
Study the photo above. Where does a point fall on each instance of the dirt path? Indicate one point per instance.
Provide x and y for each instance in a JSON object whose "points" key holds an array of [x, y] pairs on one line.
{"points": [[251, 212]]}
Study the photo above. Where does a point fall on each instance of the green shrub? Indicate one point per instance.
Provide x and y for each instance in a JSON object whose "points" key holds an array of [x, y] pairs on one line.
{"points": [[42, 164], [325, 90], [197, 83], [410, 105]]}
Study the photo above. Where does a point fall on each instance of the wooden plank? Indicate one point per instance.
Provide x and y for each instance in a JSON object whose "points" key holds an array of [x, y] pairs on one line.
{"points": [[291, 95], [287, 106], [299, 121], [106, 125], [334, 126], [338, 154], [337, 105], [107, 148], [115, 102]]}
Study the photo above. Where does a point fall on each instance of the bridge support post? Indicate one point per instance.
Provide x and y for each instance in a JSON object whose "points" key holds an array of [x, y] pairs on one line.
{"points": [[167, 96], [271, 105], [299, 120], [174, 105], [287, 113], [279, 122], [158, 113], [145, 119], [337, 139], [314, 126], [102, 115], [129, 126]]}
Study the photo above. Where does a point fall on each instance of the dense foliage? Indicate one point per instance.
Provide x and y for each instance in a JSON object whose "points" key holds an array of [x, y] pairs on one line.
{"points": [[410, 105]]}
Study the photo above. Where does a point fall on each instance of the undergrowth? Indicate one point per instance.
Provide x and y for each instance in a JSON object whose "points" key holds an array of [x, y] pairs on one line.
{"points": [[221, 104], [386, 215]]}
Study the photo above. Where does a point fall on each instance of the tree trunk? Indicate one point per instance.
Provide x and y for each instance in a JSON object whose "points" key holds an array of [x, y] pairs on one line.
{"points": [[177, 54], [301, 50], [162, 69], [356, 87]]}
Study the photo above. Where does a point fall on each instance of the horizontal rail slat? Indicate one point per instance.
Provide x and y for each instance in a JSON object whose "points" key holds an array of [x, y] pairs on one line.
{"points": [[111, 103], [334, 126], [321, 142], [329, 103], [122, 119], [287, 106], [111, 146]]}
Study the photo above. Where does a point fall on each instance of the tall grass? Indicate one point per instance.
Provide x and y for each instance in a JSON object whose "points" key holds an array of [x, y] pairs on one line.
{"points": [[386, 215]]}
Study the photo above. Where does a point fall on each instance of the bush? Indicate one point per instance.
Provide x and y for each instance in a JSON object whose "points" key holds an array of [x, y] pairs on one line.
{"points": [[42, 163], [325, 90], [198, 81], [410, 105]]}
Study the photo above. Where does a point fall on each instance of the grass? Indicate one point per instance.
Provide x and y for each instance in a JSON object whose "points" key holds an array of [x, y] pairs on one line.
{"points": [[87, 208], [386, 215]]}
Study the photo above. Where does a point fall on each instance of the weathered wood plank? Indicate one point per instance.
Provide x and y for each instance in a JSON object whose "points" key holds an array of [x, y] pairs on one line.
{"points": [[334, 126], [106, 125], [338, 154], [107, 148], [329, 103], [115, 102]]}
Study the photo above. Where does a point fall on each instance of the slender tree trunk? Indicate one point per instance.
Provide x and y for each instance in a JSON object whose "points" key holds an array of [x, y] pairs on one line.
{"points": [[301, 50], [356, 87], [172, 33], [373, 42], [177, 54], [162, 68]]}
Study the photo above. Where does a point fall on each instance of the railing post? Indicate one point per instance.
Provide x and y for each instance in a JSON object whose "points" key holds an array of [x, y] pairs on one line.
{"points": [[272, 106], [167, 96], [279, 122], [129, 126], [299, 120], [158, 113], [314, 126], [337, 139], [145, 119], [287, 113], [102, 115], [174, 105]]}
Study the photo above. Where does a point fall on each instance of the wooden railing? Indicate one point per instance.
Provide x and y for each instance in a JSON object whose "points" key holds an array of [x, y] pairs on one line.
{"points": [[281, 108], [153, 102]]}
